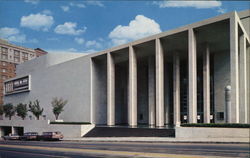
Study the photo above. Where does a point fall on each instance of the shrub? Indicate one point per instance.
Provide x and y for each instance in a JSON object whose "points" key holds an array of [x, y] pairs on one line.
{"points": [[221, 125], [71, 123]]}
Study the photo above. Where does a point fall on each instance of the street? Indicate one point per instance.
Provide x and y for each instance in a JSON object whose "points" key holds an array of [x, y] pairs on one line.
{"points": [[75, 149]]}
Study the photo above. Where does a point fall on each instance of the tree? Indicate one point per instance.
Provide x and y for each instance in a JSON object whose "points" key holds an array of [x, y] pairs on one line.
{"points": [[35, 108], [9, 110], [22, 110], [58, 105]]}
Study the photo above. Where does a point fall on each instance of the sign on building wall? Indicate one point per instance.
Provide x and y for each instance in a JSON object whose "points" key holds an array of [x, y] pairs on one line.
{"points": [[17, 85]]}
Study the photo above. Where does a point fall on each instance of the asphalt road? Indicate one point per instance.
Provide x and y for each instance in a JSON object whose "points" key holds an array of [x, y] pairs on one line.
{"points": [[74, 149]]}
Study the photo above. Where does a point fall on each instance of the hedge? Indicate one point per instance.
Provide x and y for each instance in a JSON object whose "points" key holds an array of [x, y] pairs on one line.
{"points": [[221, 125], [71, 123]]}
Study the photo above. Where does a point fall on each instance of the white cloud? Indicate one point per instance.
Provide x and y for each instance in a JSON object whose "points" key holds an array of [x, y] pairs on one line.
{"points": [[37, 21], [185, 3], [14, 35], [65, 8], [82, 4], [93, 44], [94, 2], [8, 31], [140, 27], [221, 10], [79, 40], [79, 5], [32, 1], [69, 28]]}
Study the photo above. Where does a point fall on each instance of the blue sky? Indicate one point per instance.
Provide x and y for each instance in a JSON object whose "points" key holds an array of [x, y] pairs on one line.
{"points": [[90, 26]]}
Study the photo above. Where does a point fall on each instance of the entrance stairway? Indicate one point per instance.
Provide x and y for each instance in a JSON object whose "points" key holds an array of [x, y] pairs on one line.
{"points": [[125, 131]]}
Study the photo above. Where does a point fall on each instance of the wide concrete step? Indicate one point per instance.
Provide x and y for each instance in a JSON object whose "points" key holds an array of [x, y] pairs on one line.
{"points": [[102, 131]]}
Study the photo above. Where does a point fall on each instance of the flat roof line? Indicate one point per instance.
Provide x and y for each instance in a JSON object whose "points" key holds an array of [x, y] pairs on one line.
{"points": [[169, 32]]}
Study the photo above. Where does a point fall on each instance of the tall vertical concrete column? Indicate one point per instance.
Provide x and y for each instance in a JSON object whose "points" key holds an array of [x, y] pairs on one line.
{"points": [[110, 90], [159, 59], [132, 108], [234, 71], [192, 77], [206, 84], [176, 79], [151, 90], [243, 80]]}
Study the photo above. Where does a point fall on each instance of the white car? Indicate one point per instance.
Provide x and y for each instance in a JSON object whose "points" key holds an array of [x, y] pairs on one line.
{"points": [[11, 137]]}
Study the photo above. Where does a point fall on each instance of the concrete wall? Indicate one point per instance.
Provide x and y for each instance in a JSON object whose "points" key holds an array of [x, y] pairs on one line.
{"points": [[69, 131], [121, 91], [142, 92], [69, 80], [248, 81], [46, 61], [221, 80], [206, 132], [99, 83], [245, 20]]}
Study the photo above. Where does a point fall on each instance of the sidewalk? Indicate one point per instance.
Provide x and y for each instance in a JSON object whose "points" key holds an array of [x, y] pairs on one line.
{"points": [[160, 139]]}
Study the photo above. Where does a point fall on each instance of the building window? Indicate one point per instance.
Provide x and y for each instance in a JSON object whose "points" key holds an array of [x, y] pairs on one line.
{"points": [[25, 56], [16, 59], [16, 53], [3, 63], [4, 56], [16, 56], [4, 53], [3, 70], [4, 50], [4, 77], [220, 115]]}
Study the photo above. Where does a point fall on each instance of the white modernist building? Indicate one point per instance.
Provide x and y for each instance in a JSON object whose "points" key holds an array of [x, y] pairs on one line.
{"points": [[195, 73]]}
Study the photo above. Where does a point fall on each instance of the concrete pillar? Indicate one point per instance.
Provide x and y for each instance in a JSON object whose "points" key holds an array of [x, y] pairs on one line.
{"points": [[192, 78], [243, 80], [151, 91], [234, 71], [206, 84], [110, 90], [167, 91], [159, 59], [248, 82], [176, 80], [132, 108], [12, 130]]}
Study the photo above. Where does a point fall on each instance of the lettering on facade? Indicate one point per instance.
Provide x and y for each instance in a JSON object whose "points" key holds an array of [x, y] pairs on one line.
{"points": [[17, 85]]}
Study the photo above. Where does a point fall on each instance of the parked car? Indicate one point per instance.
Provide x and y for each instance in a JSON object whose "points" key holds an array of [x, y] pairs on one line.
{"points": [[11, 137], [30, 136], [52, 135]]}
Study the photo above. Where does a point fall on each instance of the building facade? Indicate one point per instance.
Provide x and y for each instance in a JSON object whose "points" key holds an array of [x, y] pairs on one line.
{"points": [[195, 73], [10, 56]]}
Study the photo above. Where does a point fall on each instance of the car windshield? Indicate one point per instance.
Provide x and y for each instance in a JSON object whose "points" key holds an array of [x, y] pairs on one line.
{"points": [[30, 133], [47, 133]]}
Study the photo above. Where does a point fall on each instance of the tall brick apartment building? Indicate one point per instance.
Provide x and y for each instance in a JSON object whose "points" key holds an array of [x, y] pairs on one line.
{"points": [[10, 56]]}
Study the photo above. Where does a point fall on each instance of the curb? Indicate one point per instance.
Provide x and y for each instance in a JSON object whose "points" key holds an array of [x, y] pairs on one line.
{"points": [[117, 139]]}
